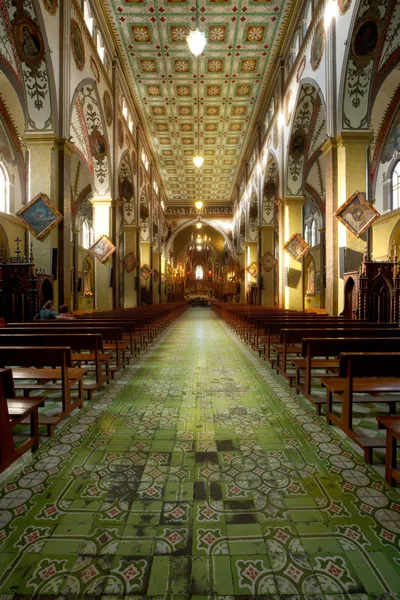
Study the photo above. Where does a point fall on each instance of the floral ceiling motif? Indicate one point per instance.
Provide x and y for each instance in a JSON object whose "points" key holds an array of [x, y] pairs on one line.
{"points": [[223, 87]]}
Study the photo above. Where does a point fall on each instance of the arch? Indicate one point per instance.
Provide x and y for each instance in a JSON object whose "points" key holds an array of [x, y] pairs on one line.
{"points": [[33, 80], [191, 223], [350, 298], [380, 296], [46, 291], [308, 133], [88, 134], [362, 76]]}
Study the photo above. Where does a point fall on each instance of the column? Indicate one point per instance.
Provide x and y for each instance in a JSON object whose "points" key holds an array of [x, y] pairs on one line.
{"points": [[145, 259], [131, 233], [330, 152], [102, 272], [156, 291], [293, 275], [268, 278]]}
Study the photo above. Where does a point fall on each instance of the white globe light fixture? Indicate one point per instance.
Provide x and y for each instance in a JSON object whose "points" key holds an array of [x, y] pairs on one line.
{"points": [[198, 161], [199, 204], [196, 40], [199, 224], [199, 248]]}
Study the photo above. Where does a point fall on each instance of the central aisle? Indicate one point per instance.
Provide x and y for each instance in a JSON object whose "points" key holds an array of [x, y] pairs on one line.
{"points": [[198, 473]]}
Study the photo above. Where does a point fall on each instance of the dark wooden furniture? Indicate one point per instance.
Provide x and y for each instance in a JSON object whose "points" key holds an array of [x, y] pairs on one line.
{"points": [[13, 411], [392, 426]]}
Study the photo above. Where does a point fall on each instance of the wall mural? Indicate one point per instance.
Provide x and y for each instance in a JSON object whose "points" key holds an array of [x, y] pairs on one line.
{"points": [[77, 45], [126, 190], [318, 45], [23, 54], [374, 52], [89, 138], [51, 6], [308, 135], [144, 218], [270, 190], [252, 233], [108, 110]]}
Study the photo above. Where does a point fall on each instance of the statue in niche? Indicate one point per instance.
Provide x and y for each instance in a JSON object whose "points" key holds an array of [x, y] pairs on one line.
{"points": [[87, 277]]}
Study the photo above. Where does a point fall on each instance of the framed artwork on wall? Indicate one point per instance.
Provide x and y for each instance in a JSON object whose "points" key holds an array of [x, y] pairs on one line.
{"points": [[145, 272], [268, 261], [102, 248], [253, 269], [39, 216], [130, 262], [357, 214], [296, 246]]}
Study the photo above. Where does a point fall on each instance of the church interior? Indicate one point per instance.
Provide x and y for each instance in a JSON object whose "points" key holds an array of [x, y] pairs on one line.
{"points": [[199, 299]]}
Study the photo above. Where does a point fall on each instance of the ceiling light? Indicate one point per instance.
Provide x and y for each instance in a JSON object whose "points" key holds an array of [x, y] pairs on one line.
{"points": [[196, 40], [198, 248], [199, 204], [199, 225], [198, 161]]}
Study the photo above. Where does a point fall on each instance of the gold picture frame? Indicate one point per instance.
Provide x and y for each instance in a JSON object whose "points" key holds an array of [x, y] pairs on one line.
{"points": [[102, 249], [39, 216], [357, 214], [296, 246]]}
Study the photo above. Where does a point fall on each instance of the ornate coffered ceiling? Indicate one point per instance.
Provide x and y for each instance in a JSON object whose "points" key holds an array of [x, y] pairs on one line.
{"points": [[212, 100]]}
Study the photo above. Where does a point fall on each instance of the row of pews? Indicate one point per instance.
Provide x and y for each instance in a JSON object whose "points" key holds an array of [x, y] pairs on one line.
{"points": [[335, 362], [71, 357]]}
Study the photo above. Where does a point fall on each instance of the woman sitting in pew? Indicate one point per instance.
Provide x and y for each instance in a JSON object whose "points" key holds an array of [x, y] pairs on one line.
{"points": [[64, 313]]}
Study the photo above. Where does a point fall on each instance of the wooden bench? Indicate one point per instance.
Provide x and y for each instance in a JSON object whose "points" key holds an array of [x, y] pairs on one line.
{"points": [[28, 364], [373, 373], [392, 426], [319, 346], [87, 348], [111, 335], [13, 411]]}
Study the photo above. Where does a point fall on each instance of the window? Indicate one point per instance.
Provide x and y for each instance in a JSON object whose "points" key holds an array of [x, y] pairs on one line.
{"points": [[155, 186], [396, 186], [4, 189], [199, 272], [307, 18], [87, 15], [313, 234], [100, 46], [306, 233], [86, 234], [145, 160], [124, 109]]}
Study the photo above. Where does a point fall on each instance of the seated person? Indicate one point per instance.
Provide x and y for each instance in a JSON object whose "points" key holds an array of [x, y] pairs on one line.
{"points": [[64, 313], [47, 312]]}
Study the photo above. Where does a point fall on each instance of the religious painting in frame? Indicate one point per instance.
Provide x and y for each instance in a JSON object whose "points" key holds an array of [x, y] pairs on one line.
{"points": [[252, 269], [357, 214], [78, 48], [39, 216], [156, 275], [98, 145], [28, 40], [145, 272], [364, 42], [268, 261], [318, 45], [296, 247], [108, 112], [102, 248], [130, 262]]}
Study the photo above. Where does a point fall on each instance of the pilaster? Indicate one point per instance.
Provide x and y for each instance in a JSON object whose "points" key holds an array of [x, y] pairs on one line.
{"points": [[293, 274]]}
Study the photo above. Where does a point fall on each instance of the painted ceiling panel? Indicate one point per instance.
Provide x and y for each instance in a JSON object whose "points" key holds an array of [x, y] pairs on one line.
{"points": [[204, 104]]}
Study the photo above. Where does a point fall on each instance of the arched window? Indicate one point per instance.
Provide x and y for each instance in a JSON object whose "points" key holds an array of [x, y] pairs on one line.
{"points": [[199, 272], [307, 18], [396, 186], [4, 189], [313, 234], [86, 235], [306, 234], [100, 46], [87, 15]]}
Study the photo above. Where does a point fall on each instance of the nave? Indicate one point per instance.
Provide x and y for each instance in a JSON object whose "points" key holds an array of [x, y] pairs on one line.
{"points": [[197, 472]]}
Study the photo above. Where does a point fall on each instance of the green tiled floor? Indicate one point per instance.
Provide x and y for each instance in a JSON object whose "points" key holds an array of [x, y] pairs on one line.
{"points": [[198, 473]]}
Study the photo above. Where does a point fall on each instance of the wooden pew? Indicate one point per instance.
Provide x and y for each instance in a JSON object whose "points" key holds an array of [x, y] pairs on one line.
{"points": [[14, 410], [392, 426], [86, 347], [323, 353], [111, 335], [362, 373], [27, 364]]}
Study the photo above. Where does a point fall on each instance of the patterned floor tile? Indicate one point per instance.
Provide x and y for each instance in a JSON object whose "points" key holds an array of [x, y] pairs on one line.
{"points": [[198, 474]]}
